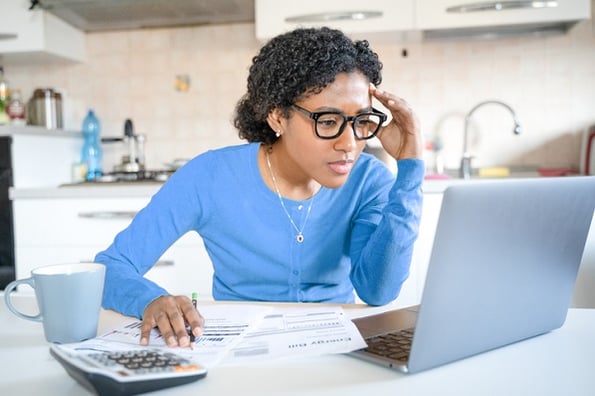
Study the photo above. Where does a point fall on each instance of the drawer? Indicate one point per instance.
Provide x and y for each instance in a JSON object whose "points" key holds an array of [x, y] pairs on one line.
{"points": [[30, 258], [72, 222], [184, 268]]}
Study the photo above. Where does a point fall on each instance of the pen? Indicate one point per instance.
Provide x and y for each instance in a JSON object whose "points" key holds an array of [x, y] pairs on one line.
{"points": [[194, 301]]}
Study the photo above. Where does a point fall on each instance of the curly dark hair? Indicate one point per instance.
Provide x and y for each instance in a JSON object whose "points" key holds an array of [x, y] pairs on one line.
{"points": [[293, 66]]}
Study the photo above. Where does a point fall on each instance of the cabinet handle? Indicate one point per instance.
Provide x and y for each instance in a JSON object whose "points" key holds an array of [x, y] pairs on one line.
{"points": [[8, 36], [111, 215], [335, 16], [164, 263], [501, 5]]}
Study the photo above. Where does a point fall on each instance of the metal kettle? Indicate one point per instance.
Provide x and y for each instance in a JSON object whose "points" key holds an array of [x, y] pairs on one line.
{"points": [[45, 109]]}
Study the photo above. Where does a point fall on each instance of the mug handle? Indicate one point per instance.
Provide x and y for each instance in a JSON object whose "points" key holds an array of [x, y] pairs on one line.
{"points": [[7, 292]]}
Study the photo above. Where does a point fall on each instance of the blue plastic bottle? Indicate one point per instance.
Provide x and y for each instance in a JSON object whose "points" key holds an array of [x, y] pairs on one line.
{"points": [[91, 154]]}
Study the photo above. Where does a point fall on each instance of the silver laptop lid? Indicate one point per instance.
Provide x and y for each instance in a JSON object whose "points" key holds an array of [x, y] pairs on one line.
{"points": [[503, 265]]}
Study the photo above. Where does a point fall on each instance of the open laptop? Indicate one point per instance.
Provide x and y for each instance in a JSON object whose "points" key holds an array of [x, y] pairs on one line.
{"points": [[503, 267]]}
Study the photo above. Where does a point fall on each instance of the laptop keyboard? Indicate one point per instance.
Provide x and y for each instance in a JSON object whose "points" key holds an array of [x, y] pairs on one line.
{"points": [[395, 345]]}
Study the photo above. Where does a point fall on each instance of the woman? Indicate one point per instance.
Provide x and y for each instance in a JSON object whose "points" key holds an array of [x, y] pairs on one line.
{"points": [[298, 213]]}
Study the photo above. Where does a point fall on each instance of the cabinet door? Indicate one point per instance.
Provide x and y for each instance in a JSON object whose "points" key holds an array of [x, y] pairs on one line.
{"points": [[73, 221], [274, 17], [413, 288], [427, 231], [31, 257], [51, 231], [36, 32], [442, 14], [185, 268]]}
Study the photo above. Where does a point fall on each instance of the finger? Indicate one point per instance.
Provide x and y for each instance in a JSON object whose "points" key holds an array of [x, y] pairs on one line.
{"points": [[145, 330], [391, 101], [383, 97], [195, 320], [178, 320], [168, 323]]}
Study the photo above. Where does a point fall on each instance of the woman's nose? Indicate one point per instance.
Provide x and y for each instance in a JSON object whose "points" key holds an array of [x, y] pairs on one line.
{"points": [[346, 141]]}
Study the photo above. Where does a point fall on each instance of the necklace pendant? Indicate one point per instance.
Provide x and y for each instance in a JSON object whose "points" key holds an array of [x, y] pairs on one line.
{"points": [[299, 238]]}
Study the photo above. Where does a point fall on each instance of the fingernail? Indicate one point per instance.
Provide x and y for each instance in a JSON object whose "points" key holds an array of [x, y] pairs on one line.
{"points": [[197, 331], [171, 341], [144, 341]]}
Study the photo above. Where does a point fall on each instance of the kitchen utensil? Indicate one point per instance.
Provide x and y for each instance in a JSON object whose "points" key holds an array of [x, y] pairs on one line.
{"points": [[45, 109]]}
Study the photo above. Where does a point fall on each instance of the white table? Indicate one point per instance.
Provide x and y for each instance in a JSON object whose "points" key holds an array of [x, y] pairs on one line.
{"points": [[558, 363]]}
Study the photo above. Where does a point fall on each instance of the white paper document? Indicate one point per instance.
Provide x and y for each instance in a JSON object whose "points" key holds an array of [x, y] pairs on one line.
{"points": [[224, 327], [291, 332], [241, 333]]}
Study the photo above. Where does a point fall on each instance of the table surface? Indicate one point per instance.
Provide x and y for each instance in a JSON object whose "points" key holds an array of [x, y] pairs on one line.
{"points": [[557, 363]]}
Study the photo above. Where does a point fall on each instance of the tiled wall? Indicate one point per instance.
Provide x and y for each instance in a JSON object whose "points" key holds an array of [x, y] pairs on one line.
{"points": [[549, 81]]}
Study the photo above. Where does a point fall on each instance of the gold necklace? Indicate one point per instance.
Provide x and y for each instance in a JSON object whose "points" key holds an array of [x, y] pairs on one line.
{"points": [[300, 236]]}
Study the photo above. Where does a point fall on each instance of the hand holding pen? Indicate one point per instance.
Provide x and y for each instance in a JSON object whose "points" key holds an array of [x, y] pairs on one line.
{"points": [[194, 302], [171, 315]]}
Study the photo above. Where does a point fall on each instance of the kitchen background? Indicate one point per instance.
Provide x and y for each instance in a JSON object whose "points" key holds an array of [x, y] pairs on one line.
{"points": [[548, 80]]}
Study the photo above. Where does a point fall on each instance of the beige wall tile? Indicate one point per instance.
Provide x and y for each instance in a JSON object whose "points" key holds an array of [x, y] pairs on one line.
{"points": [[550, 81]]}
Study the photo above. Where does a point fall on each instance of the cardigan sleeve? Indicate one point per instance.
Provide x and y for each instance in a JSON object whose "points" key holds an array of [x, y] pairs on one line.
{"points": [[381, 253]]}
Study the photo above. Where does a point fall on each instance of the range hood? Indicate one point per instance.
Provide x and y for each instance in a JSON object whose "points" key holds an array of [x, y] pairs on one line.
{"points": [[104, 15]]}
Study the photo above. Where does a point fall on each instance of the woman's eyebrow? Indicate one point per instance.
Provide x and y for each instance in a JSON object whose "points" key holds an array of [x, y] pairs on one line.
{"points": [[367, 109]]}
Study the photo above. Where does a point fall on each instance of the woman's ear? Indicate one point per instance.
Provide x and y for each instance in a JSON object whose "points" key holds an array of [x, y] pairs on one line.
{"points": [[276, 120]]}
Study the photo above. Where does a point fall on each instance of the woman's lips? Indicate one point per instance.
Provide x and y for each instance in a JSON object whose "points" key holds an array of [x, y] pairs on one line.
{"points": [[342, 167]]}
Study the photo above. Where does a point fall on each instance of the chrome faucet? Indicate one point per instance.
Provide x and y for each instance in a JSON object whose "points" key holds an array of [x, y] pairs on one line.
{"points": [[465, 170]]}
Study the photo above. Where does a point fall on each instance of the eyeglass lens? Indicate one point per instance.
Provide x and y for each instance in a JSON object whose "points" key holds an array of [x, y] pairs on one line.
{"points": [[332, 124]]}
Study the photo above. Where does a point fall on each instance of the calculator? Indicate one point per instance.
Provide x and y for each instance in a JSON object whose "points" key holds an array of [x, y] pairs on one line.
{"points": [[128, 372]]}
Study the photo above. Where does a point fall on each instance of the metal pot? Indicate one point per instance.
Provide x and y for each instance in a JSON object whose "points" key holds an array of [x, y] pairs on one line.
{"points": [[45, 109]]}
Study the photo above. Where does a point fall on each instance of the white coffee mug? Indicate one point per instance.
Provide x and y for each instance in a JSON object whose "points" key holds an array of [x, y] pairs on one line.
{"points": [[69, 299]]}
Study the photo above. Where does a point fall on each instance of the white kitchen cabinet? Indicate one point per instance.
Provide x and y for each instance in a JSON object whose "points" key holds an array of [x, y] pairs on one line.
{"points": [[435, 14], [58, 230], [413, 288], [72, 224], [54, 152], [37, 34], [273, 17], [584, 294]]}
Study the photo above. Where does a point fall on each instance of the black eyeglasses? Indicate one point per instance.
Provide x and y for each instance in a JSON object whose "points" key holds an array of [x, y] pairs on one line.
{"points": [[331, 124]]}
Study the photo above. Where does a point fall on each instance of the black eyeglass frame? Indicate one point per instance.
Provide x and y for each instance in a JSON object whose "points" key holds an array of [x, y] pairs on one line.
{"points": [[317, 114]]}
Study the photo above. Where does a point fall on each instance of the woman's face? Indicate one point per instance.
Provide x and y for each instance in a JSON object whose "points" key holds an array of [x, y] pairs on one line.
{"points": [[328, 162]]}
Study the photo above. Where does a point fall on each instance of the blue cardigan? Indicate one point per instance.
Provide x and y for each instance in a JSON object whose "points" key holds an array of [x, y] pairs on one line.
{"points": [[359, 236]]}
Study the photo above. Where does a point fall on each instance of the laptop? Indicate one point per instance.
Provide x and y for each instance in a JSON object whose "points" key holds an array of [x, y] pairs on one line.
{"points": [[502, 269]]}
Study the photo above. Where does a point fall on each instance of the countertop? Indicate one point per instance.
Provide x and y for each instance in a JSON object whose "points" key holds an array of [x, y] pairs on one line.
{"points": [[524, 368], [10, 130], [149, 188], [88, 190]]}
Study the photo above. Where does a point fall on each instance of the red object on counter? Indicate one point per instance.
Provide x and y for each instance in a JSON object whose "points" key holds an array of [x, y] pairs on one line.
{"points": [[436, 176], [589, 152], [553, 172]]}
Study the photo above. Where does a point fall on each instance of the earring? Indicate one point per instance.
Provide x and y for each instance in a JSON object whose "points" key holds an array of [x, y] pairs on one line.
{"points": [[278, 133]]}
